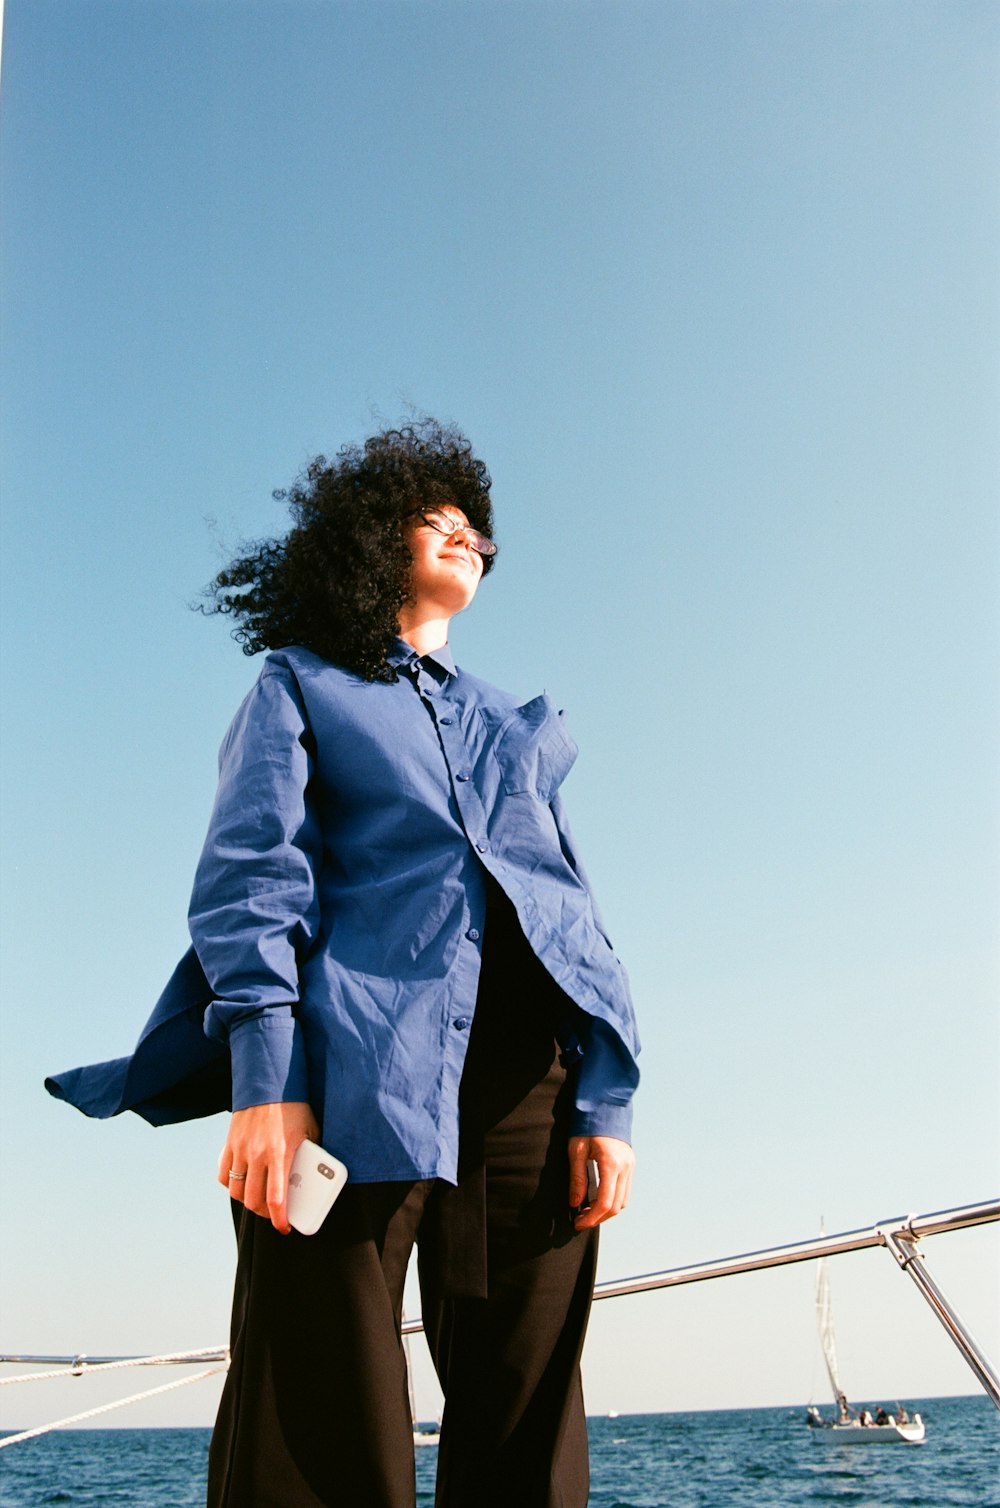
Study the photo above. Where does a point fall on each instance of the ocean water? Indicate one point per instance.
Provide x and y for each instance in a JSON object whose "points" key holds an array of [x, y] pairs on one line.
{"points": [[743, 1458]]}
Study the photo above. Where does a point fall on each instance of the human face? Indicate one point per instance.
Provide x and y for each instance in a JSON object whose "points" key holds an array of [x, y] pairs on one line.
{"points": [[446, 569]]}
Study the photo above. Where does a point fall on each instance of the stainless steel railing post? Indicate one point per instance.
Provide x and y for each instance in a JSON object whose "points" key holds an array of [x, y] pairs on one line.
{"points": [[902, 1243]]}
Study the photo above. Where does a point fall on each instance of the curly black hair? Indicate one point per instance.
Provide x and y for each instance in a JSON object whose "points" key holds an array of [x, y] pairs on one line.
{"points": [[336, 581]]}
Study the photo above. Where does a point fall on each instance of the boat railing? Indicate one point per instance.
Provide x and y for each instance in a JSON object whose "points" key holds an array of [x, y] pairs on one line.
{"points": [[899, 1236]]}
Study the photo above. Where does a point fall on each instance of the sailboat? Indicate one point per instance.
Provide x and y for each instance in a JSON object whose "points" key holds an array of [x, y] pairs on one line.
{"points": [[850, 1426], [422, 1434]]}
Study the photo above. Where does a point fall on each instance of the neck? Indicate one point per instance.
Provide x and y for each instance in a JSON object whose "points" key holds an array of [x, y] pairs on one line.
{"points": [[423, 631]]}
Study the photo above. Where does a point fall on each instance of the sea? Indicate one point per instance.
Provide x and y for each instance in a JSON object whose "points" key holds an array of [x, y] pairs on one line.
{"points": [[731, 1458]]}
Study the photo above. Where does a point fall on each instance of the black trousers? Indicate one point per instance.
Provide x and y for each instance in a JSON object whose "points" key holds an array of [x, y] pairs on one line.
{"points": [[315, 1409]]}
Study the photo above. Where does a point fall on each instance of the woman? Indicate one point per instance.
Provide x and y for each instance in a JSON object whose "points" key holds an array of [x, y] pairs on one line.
{"points": [[398, 956]]}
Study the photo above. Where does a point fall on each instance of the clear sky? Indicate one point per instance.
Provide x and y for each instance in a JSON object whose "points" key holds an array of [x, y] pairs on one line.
{"points": [[713, 288]]}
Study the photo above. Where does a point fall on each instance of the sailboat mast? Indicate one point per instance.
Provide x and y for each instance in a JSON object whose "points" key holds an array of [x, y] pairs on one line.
{"points": [[409, 1381]]}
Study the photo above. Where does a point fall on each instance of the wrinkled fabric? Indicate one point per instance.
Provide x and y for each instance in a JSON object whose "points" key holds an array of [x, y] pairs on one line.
{"points": [[338, 911]]}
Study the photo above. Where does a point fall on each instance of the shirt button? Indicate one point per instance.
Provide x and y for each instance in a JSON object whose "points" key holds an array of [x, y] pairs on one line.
{"points": [[460, 1023], [482, 848], [465, 775], [446, 721], [473, 934]]}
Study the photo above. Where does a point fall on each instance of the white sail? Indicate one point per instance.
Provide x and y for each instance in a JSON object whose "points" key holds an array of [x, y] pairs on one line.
{"points": [[420, 1436], [824, 1323]]}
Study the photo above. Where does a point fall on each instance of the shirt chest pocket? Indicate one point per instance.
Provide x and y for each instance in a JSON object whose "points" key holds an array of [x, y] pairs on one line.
{"points": [[532, 747]]}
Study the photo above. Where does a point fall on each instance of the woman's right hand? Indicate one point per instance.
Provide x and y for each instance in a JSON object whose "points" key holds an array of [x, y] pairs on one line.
{"points": [[261, 1143]]}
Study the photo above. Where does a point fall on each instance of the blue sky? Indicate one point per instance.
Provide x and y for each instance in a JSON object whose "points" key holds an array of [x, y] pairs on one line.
{"points": [[713, 289]]}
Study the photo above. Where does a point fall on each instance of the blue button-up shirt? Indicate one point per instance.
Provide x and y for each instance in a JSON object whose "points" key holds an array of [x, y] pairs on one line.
{"points": [[339, 905]]}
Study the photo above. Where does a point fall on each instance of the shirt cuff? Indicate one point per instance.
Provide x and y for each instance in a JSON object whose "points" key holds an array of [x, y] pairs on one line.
{"points": [[269, 1062], [603, 1120]]}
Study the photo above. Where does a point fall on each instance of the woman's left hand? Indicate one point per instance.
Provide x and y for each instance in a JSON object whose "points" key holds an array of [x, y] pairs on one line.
{"points": [[615, 1164]]}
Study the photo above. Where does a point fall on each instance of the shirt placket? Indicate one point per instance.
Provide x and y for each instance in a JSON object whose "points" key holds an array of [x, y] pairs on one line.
{"points": [[438, 701]]}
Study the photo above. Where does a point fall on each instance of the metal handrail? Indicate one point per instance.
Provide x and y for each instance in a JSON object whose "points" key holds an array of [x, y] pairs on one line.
{"points": [[83, 1362], [899, 1236], [806, 1251]]}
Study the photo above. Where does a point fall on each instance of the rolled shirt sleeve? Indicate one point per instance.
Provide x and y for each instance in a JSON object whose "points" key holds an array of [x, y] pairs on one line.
{"points": [[254, 907], [606, 1080]]}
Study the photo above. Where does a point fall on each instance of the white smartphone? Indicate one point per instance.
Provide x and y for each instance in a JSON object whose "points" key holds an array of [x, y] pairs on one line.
{"points": [[314, 1182]]}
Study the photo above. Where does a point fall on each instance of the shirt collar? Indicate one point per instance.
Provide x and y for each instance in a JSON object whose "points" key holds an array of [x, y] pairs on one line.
{"points": [[402, 653]]}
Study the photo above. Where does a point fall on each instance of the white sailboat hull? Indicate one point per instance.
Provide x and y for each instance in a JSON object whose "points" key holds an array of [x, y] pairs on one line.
{"points": [[872, 1434]]}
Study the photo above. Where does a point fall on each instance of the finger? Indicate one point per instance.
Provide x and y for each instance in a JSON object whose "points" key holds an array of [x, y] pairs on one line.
{"points": [[603, 1206], [577, 1171], [255, 1188], [276, 1198], [623, 1190], [227, 1161], [236, 1183], [619, 1193]]}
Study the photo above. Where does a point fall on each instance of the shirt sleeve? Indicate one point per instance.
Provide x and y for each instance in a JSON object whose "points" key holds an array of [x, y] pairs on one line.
{"points": [[606, 1080], [254, 908], [607, 1073]]}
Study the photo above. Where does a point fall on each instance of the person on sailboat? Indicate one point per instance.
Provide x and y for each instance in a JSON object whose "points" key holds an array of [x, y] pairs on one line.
{"points": [[397, 954]]}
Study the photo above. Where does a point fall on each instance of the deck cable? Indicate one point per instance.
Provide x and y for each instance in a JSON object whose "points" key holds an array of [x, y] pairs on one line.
{"points": [[106, 1408]]}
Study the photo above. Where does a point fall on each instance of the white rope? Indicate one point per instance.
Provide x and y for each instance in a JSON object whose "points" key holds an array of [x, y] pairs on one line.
{"points": [[105, 1408], [83, 1368]]}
